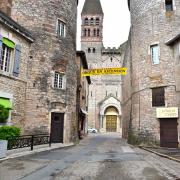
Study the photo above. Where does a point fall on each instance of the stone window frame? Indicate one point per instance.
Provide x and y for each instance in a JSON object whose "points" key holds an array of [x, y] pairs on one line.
{"points": [[150, 52], [174, 6], [63, 75], [10, 97], [61, 28], [11, 62]]}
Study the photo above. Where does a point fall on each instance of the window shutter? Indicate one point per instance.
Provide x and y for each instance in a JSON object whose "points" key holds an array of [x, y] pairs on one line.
{"points": [[17, 59], [1, 38]]}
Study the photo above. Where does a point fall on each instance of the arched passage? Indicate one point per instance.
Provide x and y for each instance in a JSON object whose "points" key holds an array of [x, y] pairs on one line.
{"points": [[110, 115]]}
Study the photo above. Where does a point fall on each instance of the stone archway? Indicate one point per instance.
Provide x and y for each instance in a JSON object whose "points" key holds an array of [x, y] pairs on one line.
{"points": [[110, 112]]}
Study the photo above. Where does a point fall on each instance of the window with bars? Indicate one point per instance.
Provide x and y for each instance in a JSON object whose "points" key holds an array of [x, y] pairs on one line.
{"points": [[61, 29], [169, 5], [58, 80], [155, 53], [158, 97], [5, 58]]}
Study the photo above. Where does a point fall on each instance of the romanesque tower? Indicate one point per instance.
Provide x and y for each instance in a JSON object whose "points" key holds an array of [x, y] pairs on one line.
{"points": [[104, 108], [92, 29]]}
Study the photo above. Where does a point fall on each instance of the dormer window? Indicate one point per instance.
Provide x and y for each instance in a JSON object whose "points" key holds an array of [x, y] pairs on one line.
{"points": [[169, 5]]}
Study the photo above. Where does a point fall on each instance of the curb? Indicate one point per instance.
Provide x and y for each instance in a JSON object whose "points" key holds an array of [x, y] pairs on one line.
{"points": [[159, 154], [27, 153]]}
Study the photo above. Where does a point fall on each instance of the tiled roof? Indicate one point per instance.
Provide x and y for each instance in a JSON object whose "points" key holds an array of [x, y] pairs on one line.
{"points": [[10, 23], [92, 7]]}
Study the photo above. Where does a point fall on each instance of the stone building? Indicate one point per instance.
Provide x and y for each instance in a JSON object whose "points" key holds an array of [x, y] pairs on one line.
{"points": [[15, 43], [151, 97], [51, 88], [104, 110], [83, 83]]}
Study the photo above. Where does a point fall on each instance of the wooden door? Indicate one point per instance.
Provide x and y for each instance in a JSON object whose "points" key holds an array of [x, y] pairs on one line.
{"points": [[168, 133], [111, 123], [57, 127]]}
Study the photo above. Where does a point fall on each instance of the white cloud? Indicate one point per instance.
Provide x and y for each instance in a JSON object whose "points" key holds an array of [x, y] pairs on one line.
{"points": [[116, 22]]}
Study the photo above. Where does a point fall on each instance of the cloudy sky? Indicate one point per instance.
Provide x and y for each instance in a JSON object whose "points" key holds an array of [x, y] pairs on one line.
{"points": [[116, 22]]}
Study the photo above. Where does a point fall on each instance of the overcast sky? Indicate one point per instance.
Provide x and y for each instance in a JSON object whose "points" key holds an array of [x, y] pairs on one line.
{"points": [[116, 22]]}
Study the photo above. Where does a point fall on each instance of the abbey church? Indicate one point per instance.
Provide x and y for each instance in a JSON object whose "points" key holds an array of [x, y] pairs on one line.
{"points": [[104, 105]]}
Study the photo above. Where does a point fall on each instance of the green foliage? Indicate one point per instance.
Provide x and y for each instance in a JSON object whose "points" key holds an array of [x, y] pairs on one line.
{"points": [[7, 132], [4, 114]]}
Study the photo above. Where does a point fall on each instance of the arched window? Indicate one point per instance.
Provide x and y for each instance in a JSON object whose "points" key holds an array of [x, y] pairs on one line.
{"points": [[94, 50], [92, 21], [85, 32], [86, 21], [97, 32], [97, 21], [94, 32], [89, 50], [89, 32]]}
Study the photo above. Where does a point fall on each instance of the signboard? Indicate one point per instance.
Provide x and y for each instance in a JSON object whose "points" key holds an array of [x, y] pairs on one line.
{"points": [[104, 71], [171, 112]]}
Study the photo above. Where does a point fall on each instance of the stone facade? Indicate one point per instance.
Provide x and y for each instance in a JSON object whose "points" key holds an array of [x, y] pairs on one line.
{"points": [[52, 52], [102, 87], [82, 94], [13, 86], [152, 24]]}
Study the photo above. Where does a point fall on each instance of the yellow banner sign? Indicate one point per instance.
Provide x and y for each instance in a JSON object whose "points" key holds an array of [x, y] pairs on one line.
{"points": [[104, 71]]}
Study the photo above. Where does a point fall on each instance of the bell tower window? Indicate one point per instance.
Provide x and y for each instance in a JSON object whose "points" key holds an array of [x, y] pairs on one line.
{"points": [[94, 32], [97, 21], [86, 21], [92, 21], [97, 32], [89, 32]]}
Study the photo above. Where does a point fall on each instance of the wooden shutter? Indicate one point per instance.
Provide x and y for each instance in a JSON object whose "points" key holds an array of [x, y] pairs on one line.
{"points": [[17, 59], [158, 98], [1, 38]]}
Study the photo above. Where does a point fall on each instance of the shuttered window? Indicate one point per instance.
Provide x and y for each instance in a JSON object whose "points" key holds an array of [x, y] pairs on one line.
{"points": [[158, 97]]}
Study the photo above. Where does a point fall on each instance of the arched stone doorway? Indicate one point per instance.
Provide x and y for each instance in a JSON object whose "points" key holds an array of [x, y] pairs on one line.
{"points": [[111, 116]]}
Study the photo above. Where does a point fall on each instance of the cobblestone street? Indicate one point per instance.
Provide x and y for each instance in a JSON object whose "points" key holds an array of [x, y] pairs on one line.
{"points": [[97, 157]]}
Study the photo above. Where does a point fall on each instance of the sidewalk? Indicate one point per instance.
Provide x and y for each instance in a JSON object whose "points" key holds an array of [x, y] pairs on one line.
{"points": [[37, 149], [169, 153]]}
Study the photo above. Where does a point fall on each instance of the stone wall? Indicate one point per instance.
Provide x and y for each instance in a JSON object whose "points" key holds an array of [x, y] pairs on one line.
{"points": [[14, 88], [50, 53], [151, 24]]}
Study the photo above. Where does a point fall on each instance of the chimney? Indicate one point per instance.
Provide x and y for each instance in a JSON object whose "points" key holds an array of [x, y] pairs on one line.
{"points": [[5, 6]]}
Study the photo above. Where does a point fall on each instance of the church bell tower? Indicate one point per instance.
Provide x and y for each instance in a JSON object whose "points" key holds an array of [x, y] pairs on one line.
{"points": [[92, 29]]}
